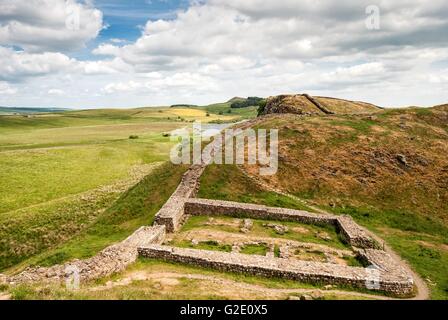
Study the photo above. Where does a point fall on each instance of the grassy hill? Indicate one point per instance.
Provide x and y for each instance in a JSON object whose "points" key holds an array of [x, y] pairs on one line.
{"points": [[72, 183], [59, 174], [387, 169], [305, 104]]}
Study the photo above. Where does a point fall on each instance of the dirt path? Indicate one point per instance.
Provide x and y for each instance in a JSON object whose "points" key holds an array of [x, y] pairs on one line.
{"points": [[227, 287], [423, 292], [5, 296]]}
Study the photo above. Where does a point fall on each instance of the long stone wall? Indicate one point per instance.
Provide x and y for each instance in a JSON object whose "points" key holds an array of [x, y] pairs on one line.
{"points": [[388, 280], [112, 259], [172, 212], [254, 211]]}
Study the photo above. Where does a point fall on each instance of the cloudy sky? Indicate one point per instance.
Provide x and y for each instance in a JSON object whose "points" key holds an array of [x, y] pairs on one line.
{"points": [[110, 53]]}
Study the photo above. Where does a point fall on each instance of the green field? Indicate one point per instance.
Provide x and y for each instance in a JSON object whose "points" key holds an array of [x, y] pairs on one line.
{"points": [[74, 182], [59, 173]]}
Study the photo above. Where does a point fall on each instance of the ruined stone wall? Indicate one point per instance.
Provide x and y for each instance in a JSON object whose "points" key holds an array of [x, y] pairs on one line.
{"points": [[304, 271], [318, 104], [354, 234], [392, 278], [351, 232], [172, 212], [112, 259], [254, 211]]}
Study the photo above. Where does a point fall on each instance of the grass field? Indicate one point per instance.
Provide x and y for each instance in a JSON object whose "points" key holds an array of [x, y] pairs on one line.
{"points": [[308, 233], [226, 182], [73, 183], [59, 174]]}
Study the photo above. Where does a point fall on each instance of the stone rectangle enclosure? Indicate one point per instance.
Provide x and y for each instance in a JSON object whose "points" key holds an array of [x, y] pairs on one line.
{"points": [[387, 279], [350, 231]]}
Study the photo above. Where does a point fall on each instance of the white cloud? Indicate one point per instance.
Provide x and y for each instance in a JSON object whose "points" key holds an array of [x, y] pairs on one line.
{"points": [[56, 92], [258, 30], [116, 40], [178, 81], [360, 70], [122, 87], [6, 89], [18, 65], [439, 77], [106, 49], [217, 49], [48, 25], [115, 65]]}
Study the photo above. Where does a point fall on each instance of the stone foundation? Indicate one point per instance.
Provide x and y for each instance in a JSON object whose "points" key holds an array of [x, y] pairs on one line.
{"points": [[390, 281], [113, 259], [145, 242], [254, 211], [351, 232]]}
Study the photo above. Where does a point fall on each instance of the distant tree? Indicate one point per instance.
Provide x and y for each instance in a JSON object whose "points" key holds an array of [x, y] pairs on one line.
{"points": [[249, 102], [261, 106]]}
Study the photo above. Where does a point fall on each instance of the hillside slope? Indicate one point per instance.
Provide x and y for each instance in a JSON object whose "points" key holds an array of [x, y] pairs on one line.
{"points": [[388, 170], [308, 105]]}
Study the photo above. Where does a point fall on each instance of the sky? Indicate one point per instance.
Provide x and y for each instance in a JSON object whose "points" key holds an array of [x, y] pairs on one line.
{"points": [[123, 54]]}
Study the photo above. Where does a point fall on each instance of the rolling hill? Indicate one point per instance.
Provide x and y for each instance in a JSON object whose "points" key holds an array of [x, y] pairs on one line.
{"points": [[308, 105], [387, 169], [12, 110]]}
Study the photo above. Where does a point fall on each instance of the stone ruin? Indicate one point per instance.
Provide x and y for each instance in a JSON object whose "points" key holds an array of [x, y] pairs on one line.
{"points": [[385, 274]]}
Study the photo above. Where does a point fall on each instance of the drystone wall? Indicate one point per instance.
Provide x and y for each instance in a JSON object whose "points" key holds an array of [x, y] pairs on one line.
{"points": [[305, 271], [351, 232], [254, 211], [112, 259], [354, 234], [318, 104], [172, 213]]}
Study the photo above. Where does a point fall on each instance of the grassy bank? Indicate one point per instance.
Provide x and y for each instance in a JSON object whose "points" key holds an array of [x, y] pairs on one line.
{"points": [[80, 227], [226, 182]]}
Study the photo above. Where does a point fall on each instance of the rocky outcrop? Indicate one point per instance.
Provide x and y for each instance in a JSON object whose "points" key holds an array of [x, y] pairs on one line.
{"points": [[318, 104], [304, 104], [297, 104]]}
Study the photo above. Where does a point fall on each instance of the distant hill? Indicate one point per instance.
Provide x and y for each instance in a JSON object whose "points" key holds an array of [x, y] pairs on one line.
{"points": [[183, 106], [306, 104], [12, 110], [236, 99]]}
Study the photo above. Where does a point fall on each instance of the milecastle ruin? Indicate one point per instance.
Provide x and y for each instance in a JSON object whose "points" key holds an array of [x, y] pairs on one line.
{"points": [[384, 273], [391, 277]]}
